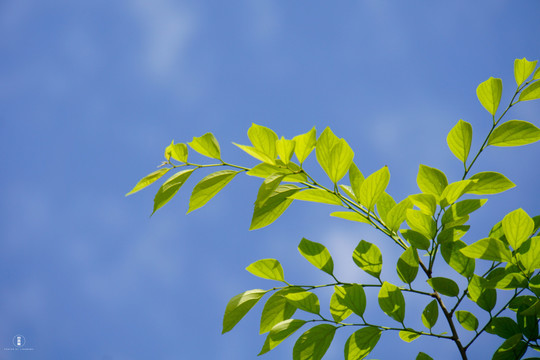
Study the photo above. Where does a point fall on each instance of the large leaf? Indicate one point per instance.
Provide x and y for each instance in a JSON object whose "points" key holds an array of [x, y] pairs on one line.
{"points": [[268, 187], [206, 145], [523, 68], [488, 249], [398, 214], [489, 93], [504, 327], [273, 207], [368, 258], [317, 254], [170, 188], [147, 180], [267, 269], [384, 205], [529, 255], [459, 140], [427, 203], [338, 309], [285, 149], [317, 195], [514, 133], [517, 226], [280, 332], [208, 187], [313, 344], [467, 320], [276, 310], [481, 294], [239, 306], [511, 349], [444, 286], [531, 92], [416, 239], [361, 343], [489, 182], [451, 253], [430, 314], [373, 187], [422, 223], [334, 155], [304, 144], [431, 180], [304, 300], [352, 296], [454, 191], [408, 336], [407, 265], [263, 139], [392, 302]]}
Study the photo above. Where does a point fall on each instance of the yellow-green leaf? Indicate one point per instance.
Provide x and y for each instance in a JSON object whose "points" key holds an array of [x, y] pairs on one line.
{"points": [[514, 133], [431, 180], [170, 188], [351, 216], [313, 344], [178, 152], [148, 180], [489, 93], [531, 92], [208, 187], [285, 149], [459, 140], [517, 226], [239, 306], [267, 269], [280, 332], [305, 143], [361, 343], [317, 195], [489, 182], [317, 254], [206, 145], [373, 187], [523, 68]]}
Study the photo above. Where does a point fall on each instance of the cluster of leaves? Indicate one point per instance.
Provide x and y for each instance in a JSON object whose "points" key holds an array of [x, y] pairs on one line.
{"points": [[436, 221]]}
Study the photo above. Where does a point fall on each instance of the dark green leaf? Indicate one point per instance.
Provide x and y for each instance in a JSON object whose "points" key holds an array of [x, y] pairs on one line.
{"points": [[170, 188], [467, 320], [444, 286], [276, 309], [479, 292], [451, 253], [313, 344], [368, 258], [430, 314], [208, 187], [361, 343], [239, 306], [511, 349], [407, 265], [423, 356], [503, 327]]}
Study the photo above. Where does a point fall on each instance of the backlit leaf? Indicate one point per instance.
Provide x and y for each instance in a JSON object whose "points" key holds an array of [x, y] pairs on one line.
{"points": [[239, 306], [280, 332], [147, 180], [531, 92], [353, 296], [459, 140], [263, 139], [489, 93], [517, 226], [368, 258], [489, 182], [304, 300], [264, 170], [373, 187], [454, 191], [170, 188], [317, 195], [467, 320], [208, 187], [427, 203], [384, 205], [408, 336], [317, 254], [313, 344], [407, 265], [430, 314], [338, 309], [206, 145], [431, 180], [416, 239], [351, 216], [514, 133], [267, 269], [361, 343], [273, 207], [444, 286], [488, 249], [304, 144], [523, 68], [397, 214], [178, 152], [392, 302], [422, 223], [276, 310], [461, 209], [356, 179], [451, 253], [285, 149]]}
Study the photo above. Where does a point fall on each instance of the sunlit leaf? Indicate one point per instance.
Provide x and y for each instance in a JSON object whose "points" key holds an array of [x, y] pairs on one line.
{"points": [[431, 180], [338, 309], [206, 145], [277, 309], [396, 216], [523, 68], [361, 343], [459, 140], [304, 144], [514, 133], [148, 180], [304, 300], [373, 187], [392, 302], [285, 149], [489, 182], [351, 216], [488, 249], [444, 286], [489, 93], [170, 188], [208, 187], [451, 253], [416, 239], [467, 320], [280, 332], [368, 258], [517, 226], [239, 306], [178, 152], [273, 207], [353, 296], [407, 265], [408, 336], [313, 344], [317, 195], [430, 314], [422, 223], [267, 269], [427, 203], [317, 254], [531, 92]]}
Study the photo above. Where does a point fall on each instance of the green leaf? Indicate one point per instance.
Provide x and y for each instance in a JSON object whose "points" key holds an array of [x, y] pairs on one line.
{"points": [[510, 281], [430, 314], [427, 203], [334, 155], [462, 209], [444, 286], [276, 310], [511, 349], [257, 154], [268, 187], [536, 74], [479, 292], [407, 265], [361, 343], [531, 92], [351, 216], [305, 143], [368, 258], [239, 306], [338, 309], [489, 182], [431, 180], [408, 336], [392, 302], [170, 188], [534, 283], [517, 226], [317, 195], [147, 180], [452, 234], [267, 269], [285, 149], [514, 133], [317, 254], [504, 327], [264, 170], [529, 254], [467, 320], [352, 296], [304, 300], [313, 344], [523, 68], [206, 145], [263, 139], [356, 179], [416, 239], [348, 191], [398, 214], [280, 332], [178, 152], [451, 253], [384, 205], [273, 207], [208, 187], [489, 93], [459, 140], [422, 223], [488, 249], [454, 191], [423, 356], [373, 187]]}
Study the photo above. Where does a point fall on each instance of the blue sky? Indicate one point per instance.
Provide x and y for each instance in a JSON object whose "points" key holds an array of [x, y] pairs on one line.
{"points": [[92, 92]]}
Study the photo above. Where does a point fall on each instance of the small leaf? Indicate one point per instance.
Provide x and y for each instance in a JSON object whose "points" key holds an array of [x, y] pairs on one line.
{"points": [[384, 205], [459, 140], [304, 300], [334, 155], [454, 191], [479, 292], [430, 314], [352, 296], [277, 309], [268, 187], [461, 209], [263, 140], [356, 179], [529, 254], [317, 254], [397, 214], [514, 133], [431, 180], [285, 149], [257, 154], [444, 286], [338, 309], [517, 226], [208, 187], [147, 180], [373, 187], [317, 195], [267, 269], [467, 320], [488, 249], [523, 69], [416, 239], [264, 170], [531, 92], [280, 332], [351, 216], [368, 258], [304, 144], [361, 343], [392, 302], [489, 182], [206, 145], [427, 203], [423, 356], [348, 191], [178, 152], [408, 336], [452, 234], [313, 344], [407, 265], [239, 306], [273, 207], [325, 143], [489, 93], [451, 253], [503, 327], [422, 223], [170, 188]]}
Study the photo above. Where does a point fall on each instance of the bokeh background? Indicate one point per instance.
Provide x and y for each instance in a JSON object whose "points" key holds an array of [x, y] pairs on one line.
{"points": [[91, 92]]}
